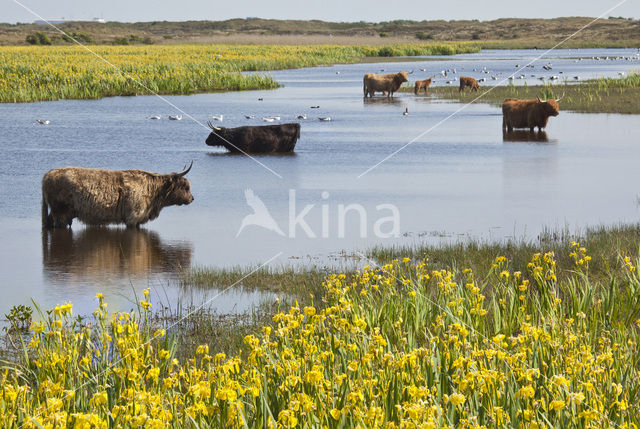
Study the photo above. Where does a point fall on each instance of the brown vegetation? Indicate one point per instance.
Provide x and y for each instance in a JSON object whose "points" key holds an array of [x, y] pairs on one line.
{"points": [[499, 33]]}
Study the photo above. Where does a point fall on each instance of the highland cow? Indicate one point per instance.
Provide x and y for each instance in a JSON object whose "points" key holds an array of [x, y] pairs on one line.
{"points": [[528, 113], [422, 84], [103, 197], [470, 82], [255, 139], [387, 83]]}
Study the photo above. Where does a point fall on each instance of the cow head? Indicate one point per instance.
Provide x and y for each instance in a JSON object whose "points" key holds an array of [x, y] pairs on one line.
{"points": [[550, 107], [178, 189], [215, 137], [401, 77]]}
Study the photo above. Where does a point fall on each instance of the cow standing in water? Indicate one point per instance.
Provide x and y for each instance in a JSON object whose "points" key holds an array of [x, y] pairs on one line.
{"points": [[528, 113], [385, 83], [470, 82], [103, 197], [255, 139]]}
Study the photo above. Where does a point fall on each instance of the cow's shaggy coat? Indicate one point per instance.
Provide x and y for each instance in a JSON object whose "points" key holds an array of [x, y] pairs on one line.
{"points": [[422, 84], [387, 83], [470, 82], [528, 113], [102, 197]]}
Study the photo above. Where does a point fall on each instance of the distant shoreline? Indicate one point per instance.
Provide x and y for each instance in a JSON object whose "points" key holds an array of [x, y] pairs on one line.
{"points": [[504, 33]]}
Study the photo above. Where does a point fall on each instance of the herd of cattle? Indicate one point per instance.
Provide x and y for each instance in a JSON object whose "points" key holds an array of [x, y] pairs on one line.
{"points": [[515, 113], [134, 197]]}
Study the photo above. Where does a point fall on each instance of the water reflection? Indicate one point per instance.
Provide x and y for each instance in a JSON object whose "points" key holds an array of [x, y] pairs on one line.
{"points": [[525, 136], [96, 253], [381, 100], [253, 155]]}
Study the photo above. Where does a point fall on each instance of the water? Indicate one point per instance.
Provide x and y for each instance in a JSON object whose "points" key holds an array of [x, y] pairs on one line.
{"points": [[461, 179]]}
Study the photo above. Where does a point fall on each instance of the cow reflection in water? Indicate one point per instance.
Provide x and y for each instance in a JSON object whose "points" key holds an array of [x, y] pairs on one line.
{"points": [[108, 253], [524, 136], [382, 100]]}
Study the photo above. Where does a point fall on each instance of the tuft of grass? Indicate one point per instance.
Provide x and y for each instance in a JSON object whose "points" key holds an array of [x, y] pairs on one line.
{"points": [[300, 284]]}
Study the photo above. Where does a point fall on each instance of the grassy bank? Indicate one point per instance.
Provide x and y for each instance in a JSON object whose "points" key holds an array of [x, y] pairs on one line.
{"points": [[605, 244], [595, 96], [548, 338], [71, 72]]}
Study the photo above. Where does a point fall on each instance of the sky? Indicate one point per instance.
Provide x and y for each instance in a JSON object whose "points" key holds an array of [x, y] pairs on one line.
{"points": [[327, 10]]}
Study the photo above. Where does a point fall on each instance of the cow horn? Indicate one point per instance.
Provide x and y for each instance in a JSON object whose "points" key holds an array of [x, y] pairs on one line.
{"points": [[186, 171], [539, 100], [213, 127], [411, 72], [561, 97]]}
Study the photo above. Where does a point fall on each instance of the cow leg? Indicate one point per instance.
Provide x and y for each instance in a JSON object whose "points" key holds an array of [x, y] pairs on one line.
{"points": [[61, 215], [62, 221], [47, 220]]}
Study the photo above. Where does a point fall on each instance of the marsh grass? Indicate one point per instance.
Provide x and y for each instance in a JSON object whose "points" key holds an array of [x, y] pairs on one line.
{"points": [[605, 244], [544, 339], [65, 72], [606, 95], [299, 283], [189, 327], [193, 326]]}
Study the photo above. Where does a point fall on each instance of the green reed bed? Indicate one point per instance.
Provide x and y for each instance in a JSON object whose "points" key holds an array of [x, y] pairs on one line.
{"points": [[64, 72]]}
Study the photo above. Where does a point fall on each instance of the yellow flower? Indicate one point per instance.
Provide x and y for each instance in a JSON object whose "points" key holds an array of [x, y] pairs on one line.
{"points": [[457, 399], [153, 374], [335, 413], [526, 392], [556, 405]]}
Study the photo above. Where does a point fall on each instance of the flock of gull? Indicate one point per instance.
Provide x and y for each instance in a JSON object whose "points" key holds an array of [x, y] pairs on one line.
{"points": [[448, 74], [220, 118]]}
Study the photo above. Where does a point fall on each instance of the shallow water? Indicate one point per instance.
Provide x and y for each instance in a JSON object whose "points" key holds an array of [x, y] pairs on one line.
{"points": [[461, 179]]}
